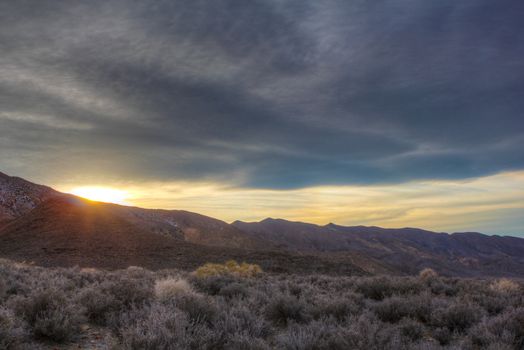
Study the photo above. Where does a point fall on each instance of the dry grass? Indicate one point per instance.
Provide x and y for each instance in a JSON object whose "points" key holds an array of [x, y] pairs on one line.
{"points": [[427, 274], [504, 285], [170, 288]]}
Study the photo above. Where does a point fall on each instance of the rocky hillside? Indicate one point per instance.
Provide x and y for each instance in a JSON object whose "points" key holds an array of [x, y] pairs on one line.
{"points": [[18, 197]]}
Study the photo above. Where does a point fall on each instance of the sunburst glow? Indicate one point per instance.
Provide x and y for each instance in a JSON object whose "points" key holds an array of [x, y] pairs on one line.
{"points": [[101, 194]]}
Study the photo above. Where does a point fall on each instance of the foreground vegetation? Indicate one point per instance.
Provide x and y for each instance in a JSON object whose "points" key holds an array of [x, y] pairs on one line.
{"points": [[236, 306]]}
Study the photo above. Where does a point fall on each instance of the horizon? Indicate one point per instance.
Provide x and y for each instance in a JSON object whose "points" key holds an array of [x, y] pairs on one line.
{"points": [[92, 196], [397, 114]]}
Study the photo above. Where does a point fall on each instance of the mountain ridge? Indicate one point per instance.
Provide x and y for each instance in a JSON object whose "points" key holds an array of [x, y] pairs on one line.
{"points": [[406, 249], [50, 227]]}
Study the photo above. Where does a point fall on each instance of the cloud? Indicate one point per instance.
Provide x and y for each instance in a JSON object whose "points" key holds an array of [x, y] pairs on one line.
{"points": [[261, 94], [492, 204]]}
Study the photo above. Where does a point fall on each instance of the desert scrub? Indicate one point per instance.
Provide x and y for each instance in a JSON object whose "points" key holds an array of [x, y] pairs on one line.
{"points": [[211, 285], [169, 288], [393, 309], [200, 309], [171, 309], [231, 268], [49, 314], [338, 308], [316, 335], [458, 316], [97, 303], [157, 326], [112, 296], [378, 288], [505, 286], [506, 329], [12, 331], [284, 309], [428, 274]]}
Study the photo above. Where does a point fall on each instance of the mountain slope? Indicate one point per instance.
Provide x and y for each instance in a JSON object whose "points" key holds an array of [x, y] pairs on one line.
{"points": [[69, 231], [18, 197], [191, 227], [406, 249], [42, 225]]}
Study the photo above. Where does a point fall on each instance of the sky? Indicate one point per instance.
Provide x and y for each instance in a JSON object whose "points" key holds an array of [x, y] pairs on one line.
{"points": [[393, 113]]}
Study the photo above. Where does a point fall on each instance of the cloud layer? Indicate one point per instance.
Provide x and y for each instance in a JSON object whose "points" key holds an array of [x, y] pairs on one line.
{"points": [[492, 204], [261, 94]]}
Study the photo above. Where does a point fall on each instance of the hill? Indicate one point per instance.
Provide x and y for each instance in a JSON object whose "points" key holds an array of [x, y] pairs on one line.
{"points": [[18, 197], [50, 228], [406, 249], [65, 230]]}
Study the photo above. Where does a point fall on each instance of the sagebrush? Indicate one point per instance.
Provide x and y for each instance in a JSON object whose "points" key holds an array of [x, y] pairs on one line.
{"points": [[172, 309]]}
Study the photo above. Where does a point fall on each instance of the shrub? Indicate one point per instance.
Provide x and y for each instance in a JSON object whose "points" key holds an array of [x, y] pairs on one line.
{"points": [[89, 271], [50, 314], [338, 308], [112, 296], [378, 288], [127, 292], [505, 286], [231, 268], [457, 317], [97, 304], [366, 332], [234, 290], [3, 289], [169, 288], [199, 309], [428, 274], [411, 329], [212, 285], [442, 335], [318, 335], [295, 289], [284, 309], [439, 287], [506, 329], [240, 320], [493, 304], [243, 342], [393, 309], [153, 327], [12, 333]]}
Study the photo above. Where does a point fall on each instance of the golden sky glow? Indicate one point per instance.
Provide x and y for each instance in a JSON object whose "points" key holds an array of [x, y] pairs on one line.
{"points": [[481, 204], [101, 194]]}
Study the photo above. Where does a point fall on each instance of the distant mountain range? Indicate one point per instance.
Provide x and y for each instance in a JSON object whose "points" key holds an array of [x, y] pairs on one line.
{"points": [[407, 249], [44, 226]]}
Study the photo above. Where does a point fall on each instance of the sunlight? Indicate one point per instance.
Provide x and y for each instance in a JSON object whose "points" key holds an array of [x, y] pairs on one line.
{"points": [[101, 194], [479, 204]]}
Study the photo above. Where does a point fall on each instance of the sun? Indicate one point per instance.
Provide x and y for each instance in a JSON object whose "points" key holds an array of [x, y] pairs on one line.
{"points": [[101, 194]]}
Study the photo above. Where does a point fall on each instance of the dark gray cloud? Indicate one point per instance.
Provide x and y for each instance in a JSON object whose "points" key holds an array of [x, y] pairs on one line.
{"points": [[273, 94]]}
